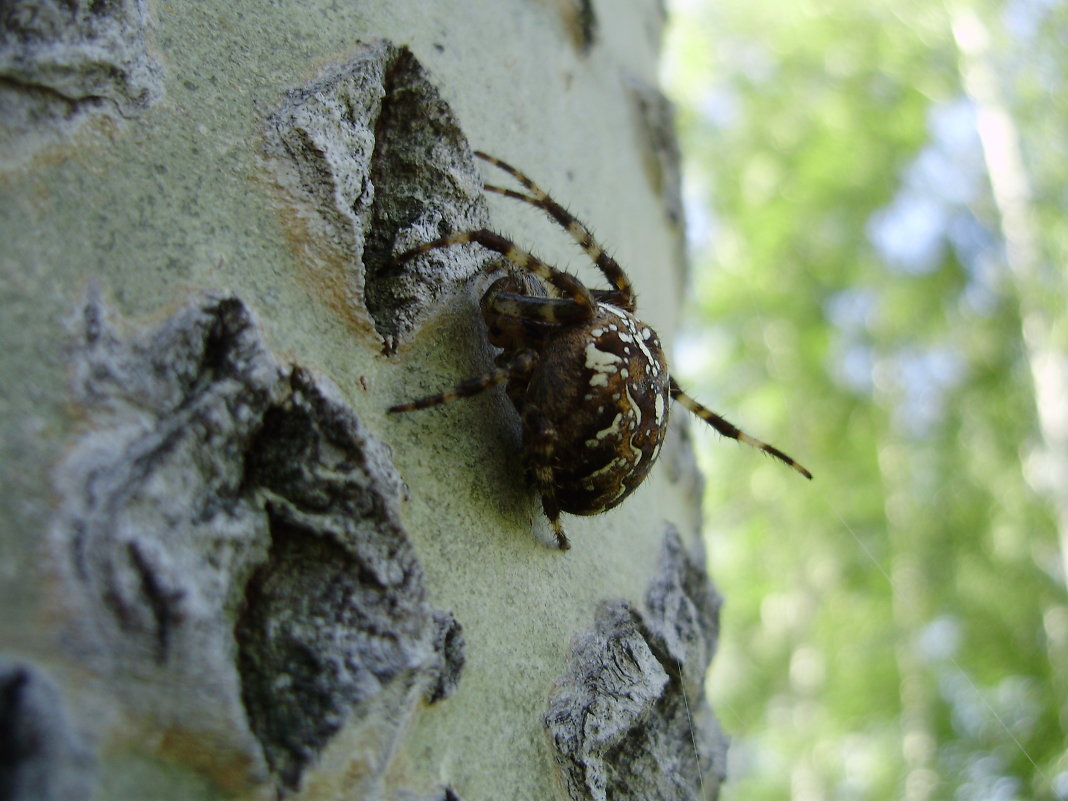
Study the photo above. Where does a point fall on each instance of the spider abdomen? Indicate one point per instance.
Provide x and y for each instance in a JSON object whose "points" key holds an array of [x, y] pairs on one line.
{"points": [[603, 387]]}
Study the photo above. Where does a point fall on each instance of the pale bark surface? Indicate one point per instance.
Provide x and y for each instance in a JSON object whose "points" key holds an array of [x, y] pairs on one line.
{"points": [[227, 572]]}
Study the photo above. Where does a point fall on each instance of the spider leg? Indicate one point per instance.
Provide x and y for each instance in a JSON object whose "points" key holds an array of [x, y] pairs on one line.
{"points": [[539, 439], [519, 365], [550, 311], [516, 321], [565, 283], [624, 295], [728, 429]]}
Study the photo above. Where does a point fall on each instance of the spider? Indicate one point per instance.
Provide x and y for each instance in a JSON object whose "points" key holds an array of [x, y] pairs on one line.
{"points": [[588, 378]]}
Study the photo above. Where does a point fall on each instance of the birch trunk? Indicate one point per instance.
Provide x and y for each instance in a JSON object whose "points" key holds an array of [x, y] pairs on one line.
{"points": [[1040, 287], [228, 572]]}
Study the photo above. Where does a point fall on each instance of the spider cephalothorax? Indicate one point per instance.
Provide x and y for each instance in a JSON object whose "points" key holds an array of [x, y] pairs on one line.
{"points": [[588, 378]]}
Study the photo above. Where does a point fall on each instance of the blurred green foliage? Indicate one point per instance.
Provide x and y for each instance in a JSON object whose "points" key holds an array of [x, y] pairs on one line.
{"points": [[899, 627]]}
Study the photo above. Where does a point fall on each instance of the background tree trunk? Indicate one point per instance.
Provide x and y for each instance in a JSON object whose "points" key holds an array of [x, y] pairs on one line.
{"points": [[228, 573]]}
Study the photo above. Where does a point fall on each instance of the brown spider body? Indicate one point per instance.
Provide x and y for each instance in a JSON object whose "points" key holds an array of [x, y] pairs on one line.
{"points": [[602, 386], [589, 380]]}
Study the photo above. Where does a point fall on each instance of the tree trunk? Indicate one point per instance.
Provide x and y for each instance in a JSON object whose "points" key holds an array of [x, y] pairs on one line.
{"points": [[1039, 285], [229, 572]]}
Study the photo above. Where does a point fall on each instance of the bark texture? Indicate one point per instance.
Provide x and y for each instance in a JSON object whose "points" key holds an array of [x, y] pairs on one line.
{"points": [[374, 162], [63, 61], [229, 573], [231, 551], [629, 718]]}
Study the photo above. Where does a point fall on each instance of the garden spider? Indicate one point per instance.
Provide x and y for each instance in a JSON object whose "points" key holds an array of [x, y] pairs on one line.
{"points": [[588, 378]]}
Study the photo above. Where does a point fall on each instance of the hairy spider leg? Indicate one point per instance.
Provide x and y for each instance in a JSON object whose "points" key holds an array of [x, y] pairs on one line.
{"points": [[520, 364], [552, 311], [567, 284], [624, 294], [540, 440], [728, 429]]}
